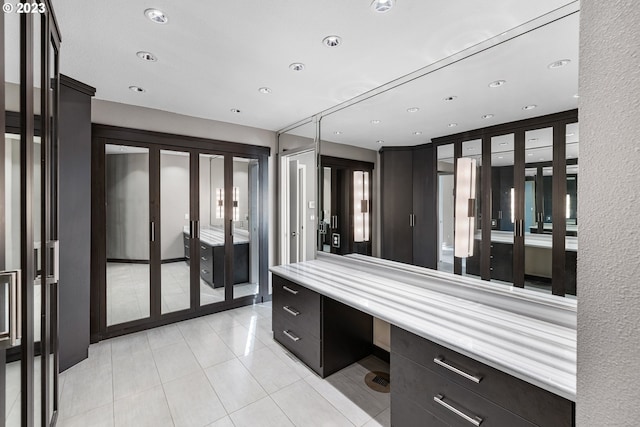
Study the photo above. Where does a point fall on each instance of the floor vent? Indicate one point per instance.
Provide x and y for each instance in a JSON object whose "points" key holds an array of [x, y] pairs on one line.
{"points": [[378, 381]]}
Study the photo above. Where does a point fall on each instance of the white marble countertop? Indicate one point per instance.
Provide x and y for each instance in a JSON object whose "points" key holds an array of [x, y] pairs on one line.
{"points": [[214, 236], [524, 333], [531, 240]]}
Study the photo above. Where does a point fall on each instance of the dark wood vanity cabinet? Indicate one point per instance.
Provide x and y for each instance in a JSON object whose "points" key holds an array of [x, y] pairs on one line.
{"points": [[409, 217], [325, 334], [501, 261], [431, 382]]}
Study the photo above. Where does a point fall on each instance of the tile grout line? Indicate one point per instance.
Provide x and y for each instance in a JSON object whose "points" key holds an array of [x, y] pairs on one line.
{"points": [[164, 392]]}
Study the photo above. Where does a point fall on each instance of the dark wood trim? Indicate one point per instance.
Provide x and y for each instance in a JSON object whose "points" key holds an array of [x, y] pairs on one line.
{"points": [[518, 186], [26, 221], [194, 215], [155, 251], [569, 116], [486, 195], [130, 136], [228, 228], [98, 240], [263, 233], [77, 85], [559, 220], [2, 177], [457, 153], [339, 162]]}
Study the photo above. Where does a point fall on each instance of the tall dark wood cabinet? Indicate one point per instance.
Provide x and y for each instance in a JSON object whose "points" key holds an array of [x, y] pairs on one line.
{"points": [[409, 216], [75, 225]]}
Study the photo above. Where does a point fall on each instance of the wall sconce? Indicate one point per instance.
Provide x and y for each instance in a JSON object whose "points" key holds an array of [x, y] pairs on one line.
{"points": [[220, 203], [465, 207], [361, 206]]}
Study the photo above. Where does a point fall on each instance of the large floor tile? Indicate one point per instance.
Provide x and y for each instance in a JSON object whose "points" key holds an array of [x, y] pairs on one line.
{"points": [[209, 349], [306, 407], [382, 420], [292, 361], [192, 401], [134, 374], [240, 340], [221, 321], [164, 336], [263, 413], [271, 372], [222, 422], [99, 417], [234, 385], [128, 344], [147, 409], [86, 390], [175, 361]]}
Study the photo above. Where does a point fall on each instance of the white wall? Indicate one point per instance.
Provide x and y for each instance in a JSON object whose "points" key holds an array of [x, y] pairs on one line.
{"points": [[609, 212]]}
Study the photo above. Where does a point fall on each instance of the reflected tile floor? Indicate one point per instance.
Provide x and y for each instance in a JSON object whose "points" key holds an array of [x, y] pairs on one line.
{"points": [[221, 370]]}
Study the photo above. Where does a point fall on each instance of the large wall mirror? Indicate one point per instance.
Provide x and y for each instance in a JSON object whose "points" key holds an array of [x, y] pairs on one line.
{"points": [[508, 102]]}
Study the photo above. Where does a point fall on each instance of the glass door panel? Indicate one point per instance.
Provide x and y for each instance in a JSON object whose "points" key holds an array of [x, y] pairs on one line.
{"points": [[471, 265], [537, 209], [445, 207], [174, 230], [502, 208], [211, 249], [245, 230], [128, 233], [327, 219], [571, 239]]}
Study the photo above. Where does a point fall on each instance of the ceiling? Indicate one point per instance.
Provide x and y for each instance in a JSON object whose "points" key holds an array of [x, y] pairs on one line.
{"points": [[213, 56]]}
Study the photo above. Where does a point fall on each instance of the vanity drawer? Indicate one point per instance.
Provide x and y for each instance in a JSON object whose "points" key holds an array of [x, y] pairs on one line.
{"points": [[298, 341], [297, 304], [539, 406], [447, 400], [406, 413]]}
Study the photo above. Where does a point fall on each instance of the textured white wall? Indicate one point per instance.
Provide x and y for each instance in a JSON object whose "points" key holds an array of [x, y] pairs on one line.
{"points": [[609, 212]]}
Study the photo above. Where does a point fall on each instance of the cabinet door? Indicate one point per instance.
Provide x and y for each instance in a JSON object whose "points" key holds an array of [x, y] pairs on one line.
{"points": [[397, 205], [425, 225]]}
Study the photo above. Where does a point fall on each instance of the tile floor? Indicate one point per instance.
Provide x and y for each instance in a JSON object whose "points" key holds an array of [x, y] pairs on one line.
{"points": [[222, 370]]}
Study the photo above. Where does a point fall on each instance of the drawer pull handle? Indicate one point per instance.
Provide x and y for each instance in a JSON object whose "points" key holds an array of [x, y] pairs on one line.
{"points": [[440, 361], [475, 420], [288, 289], [290, 310], [290, 335]]}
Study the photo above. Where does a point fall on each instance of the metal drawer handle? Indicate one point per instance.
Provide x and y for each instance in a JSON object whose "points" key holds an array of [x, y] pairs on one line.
{"points": [[440, 361], [290, 310], [288, 289], [204, 258], [475, 420], [290, 335]]}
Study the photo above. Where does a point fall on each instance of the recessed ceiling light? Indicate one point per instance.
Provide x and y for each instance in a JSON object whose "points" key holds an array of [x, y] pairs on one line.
{"points": [[558, 64], [413, 110], [235, 110], [576, 96], [136, 89], [497, 83], [338, 132], [452, 125], [332, 41], [382, 5], [450, 98], [375, 122], [146, 56], [297, 66], [417, 133], [529, 107], [264, 90], [487, 116], [156, 16], [380, 141]]}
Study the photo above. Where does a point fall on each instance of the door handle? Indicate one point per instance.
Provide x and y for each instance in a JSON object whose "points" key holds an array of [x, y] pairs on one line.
{"points": [[152, 231], [54, 247], [13, 331]]}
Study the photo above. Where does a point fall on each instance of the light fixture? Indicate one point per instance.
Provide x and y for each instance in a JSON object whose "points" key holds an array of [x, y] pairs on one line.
{"points": [[413, 110], [337, 132], [417, 133], [558, 64], [452, 125], [297, 66], [513, 205], [576, 96], [235, 110], [380, 141], [382, 6], [465, 207], [487, 116], [146, 56], [497, 83], [156, 16], [136, 89], [529, 107], [264, 90], [361, 206], [375, 122], [220, 203], [236, 197], [450, 98], [332, 41]]}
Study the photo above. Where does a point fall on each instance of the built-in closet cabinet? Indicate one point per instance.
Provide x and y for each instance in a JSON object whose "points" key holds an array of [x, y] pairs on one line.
{"points": [[408, 191]]}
